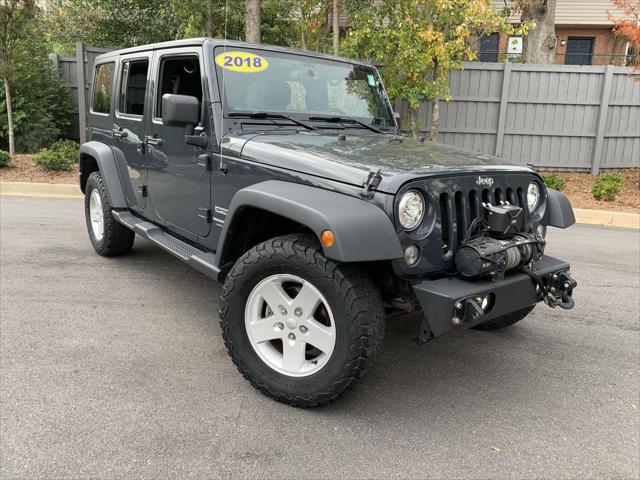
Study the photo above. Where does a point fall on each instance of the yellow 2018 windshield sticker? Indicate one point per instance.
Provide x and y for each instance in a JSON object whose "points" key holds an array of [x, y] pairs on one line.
{"points": [[244, 62]]}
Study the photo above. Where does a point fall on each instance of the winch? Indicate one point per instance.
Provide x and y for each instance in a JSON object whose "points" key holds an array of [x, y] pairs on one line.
{"points": [[495, 245]]}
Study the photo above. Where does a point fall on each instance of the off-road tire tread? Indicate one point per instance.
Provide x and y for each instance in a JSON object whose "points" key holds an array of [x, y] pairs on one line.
{"points": [[505, 320], [353, 285], [117, 239]]}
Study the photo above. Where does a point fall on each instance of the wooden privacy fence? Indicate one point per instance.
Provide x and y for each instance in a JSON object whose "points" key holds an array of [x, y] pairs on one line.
{"points": [[556, 117], [74, 76]]}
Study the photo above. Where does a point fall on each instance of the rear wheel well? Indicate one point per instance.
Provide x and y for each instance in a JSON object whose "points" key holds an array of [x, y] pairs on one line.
{"points": [[86, 166], [252, 226]]}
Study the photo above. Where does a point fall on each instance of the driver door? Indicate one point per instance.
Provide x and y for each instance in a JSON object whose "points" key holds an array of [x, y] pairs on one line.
{"points": [[178, 179]]}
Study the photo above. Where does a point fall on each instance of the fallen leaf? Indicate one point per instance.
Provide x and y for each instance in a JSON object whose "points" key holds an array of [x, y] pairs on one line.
{"points": [[634, 406], [496, 449]]}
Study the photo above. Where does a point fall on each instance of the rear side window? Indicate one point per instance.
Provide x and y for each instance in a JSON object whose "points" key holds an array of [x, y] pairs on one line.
{"points": [[179, 75], [102, 88], [133, 86]]}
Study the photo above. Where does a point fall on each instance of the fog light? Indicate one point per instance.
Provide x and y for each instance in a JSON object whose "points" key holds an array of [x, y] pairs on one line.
{"points": [[411, 255]]}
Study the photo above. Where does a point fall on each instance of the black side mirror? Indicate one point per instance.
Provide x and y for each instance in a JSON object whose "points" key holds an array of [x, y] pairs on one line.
{"points": [[183, 111]]}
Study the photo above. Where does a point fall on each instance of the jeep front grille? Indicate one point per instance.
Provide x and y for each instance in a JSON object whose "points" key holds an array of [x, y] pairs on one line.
{"points": [[459, 209]]}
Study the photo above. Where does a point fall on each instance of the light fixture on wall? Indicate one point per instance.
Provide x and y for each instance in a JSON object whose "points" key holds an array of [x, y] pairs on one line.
{"points": [[563, 43]]}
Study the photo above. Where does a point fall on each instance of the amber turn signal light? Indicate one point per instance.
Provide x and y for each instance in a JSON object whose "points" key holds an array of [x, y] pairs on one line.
{"points": [[327, 238]]}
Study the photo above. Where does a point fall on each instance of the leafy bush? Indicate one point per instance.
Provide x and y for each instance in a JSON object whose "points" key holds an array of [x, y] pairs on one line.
{"points": [[62, 155], [555, 181], [5, 159], [607, 186]]}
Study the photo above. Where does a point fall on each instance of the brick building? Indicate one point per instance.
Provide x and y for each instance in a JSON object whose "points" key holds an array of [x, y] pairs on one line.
{"points": [[584, 35]]}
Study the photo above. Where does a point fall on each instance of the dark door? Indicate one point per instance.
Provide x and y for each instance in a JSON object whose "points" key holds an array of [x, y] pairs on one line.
{"points": [[579, 51], [489, 45], [129, 127], [178, 179]]}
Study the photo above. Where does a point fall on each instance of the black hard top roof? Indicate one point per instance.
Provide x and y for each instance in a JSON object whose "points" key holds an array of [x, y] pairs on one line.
{"points": [[191, 42]]}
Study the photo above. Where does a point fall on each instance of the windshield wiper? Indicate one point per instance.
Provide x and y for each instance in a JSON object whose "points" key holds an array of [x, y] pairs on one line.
{"points": [[267, 115], [334, 119]]}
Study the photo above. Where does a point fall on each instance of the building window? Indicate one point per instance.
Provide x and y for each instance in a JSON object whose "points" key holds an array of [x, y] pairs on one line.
{"points": [[102, 87], [133, 87], [579, 51], [489, 45]]}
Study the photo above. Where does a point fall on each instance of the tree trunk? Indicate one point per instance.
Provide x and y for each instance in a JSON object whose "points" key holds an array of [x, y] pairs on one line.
{"points": [[303, 30], [7, 92], [413, 123], [209, 22], [252, 21], [336, 27], [435, 120], [540, 45]]}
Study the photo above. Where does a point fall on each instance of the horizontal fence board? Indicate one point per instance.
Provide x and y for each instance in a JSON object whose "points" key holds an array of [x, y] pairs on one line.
{"points": [[551, 114]]}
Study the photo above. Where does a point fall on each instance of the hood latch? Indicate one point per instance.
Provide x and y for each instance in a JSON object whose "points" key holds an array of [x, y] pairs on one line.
{"points": [[371, 182]]}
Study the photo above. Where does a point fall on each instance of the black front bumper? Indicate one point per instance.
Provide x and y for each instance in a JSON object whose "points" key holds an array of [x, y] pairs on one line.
{"points": [[455, 303]]}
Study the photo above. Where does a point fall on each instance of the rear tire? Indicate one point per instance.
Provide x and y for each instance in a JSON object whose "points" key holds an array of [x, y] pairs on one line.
{"points": [[108, 237], [341, 304], [505, 320]]}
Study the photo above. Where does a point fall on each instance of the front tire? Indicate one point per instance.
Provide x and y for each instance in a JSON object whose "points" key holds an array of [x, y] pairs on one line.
{"points": [[108, 237], [301, 328]]}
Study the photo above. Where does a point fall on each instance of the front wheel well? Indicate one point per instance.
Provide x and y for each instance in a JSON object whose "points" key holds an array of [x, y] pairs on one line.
{"points": [[251, 226], [86, 166]]}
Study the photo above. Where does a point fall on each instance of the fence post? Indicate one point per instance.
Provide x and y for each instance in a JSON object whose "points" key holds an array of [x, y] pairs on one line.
{"points": [[602, 120], [502, 111], [55, 61], [82, 92]]}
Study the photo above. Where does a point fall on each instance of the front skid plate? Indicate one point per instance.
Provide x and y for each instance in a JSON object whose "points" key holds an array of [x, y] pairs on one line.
{"points": [[438, 297]]}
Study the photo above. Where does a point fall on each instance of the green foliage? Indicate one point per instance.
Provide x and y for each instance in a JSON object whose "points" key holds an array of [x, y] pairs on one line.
{"points": [[62, 155], [607, 186], [420, 41], [555, 181], [5, 158]]}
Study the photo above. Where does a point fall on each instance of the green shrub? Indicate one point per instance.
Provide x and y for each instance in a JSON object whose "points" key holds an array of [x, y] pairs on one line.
{"points": [[607, 186], [62, 155], [5, 158], [68, 148], [555, 181]]}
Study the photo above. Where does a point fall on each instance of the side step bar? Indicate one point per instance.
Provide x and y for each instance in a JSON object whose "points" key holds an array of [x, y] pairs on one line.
{"points": [[203, 261]]}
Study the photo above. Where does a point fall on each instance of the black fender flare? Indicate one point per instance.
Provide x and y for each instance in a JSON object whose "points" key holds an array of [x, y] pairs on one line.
{"points": [[362, 231], [104, 157], [560, 210]]}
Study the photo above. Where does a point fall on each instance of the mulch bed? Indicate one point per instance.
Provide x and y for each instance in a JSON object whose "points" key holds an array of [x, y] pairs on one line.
{"points": [[578, 187], [22, 169]]}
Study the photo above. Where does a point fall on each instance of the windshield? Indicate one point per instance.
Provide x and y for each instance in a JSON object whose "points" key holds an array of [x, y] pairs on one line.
{"points": [[262, 81]]}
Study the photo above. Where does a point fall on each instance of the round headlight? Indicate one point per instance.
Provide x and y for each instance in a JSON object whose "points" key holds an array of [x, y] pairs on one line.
{"points": [[411, 210], [533, 196]]}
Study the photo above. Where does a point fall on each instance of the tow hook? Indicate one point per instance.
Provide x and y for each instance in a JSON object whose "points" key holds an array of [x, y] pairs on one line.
{"points": [[560, 291]]}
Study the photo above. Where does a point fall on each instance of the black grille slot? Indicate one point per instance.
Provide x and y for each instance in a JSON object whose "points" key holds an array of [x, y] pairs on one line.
{"points": [[444, 216], [461, 217]]}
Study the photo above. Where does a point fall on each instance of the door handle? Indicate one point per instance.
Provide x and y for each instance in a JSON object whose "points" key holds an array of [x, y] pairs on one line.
{"points": [[155, 141], [119, 133]]}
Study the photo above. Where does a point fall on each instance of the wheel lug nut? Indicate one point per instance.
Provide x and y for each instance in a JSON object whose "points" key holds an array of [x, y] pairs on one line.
{"points": [[303, 329], [283, 310], [292, 336], [280, 325], [298, 312]]}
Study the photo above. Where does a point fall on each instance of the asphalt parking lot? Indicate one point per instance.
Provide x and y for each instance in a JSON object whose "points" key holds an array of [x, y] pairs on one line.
{"points": [[114, 368]]}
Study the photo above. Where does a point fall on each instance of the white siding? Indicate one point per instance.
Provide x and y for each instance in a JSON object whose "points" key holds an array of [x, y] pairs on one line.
{"points": [[579, 12]]}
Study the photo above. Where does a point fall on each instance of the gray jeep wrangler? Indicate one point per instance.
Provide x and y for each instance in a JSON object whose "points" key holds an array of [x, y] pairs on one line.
{"points": [[283, 174]]}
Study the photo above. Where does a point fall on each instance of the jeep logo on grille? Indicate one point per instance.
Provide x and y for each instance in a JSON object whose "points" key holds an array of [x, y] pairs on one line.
{"points": [[484, 181]]}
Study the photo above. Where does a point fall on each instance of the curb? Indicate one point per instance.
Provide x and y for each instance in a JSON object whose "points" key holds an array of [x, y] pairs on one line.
{"points": [[51, 190], [63, 190]]}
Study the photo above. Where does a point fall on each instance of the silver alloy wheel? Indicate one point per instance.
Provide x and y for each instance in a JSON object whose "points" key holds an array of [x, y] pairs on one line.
{"points": [[290, 325], [96, 214]]}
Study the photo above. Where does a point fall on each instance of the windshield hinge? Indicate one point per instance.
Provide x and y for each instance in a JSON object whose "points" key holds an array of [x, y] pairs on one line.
{"points": [[371, 182]]}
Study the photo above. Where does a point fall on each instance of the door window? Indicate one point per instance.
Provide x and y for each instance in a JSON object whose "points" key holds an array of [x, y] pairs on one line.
{"points": [[579, 51], [102, 87], [180, 76], [133, 87]]}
